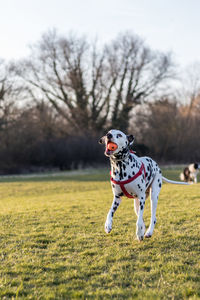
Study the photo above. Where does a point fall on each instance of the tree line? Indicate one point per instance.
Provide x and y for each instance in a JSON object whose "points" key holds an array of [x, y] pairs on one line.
{"points": [[56, 103]]}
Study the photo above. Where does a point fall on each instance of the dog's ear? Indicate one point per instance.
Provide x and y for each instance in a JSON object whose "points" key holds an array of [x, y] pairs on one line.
{"points": [[102, 140], [130, 139]]}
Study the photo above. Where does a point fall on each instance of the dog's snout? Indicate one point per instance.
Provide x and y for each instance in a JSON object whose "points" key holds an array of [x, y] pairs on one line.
{"points": [[109, 136]]}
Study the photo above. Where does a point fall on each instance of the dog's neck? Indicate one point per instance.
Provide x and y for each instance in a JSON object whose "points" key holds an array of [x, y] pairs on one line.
{"points": [[117, 162], [120, 168], [121, 155]]}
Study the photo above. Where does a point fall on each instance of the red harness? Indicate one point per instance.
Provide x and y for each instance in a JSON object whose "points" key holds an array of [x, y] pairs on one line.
{"points": [[122, 183]]}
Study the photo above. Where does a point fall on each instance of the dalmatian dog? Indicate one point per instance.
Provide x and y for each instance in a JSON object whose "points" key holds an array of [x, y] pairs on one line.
{"points": [[189, 173], [134, 177]]}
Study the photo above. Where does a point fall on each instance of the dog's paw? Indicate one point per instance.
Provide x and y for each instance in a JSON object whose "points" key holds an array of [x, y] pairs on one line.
{"points": [[108, 226], [140, 230], [150, 230], [148, 234]]}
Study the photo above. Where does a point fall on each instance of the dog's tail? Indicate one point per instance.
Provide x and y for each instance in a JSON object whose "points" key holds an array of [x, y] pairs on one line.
{"points": [[175, 182]]}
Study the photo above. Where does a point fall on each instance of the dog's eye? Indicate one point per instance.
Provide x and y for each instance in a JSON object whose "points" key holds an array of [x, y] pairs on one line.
{"points": [[119, 135]]}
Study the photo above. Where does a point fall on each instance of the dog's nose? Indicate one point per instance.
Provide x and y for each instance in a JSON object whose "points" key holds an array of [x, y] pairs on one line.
{"points": [[109, 136]]}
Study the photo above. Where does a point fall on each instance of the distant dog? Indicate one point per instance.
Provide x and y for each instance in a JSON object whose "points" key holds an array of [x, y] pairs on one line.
{"points": [[189, 174], [133, 177]]}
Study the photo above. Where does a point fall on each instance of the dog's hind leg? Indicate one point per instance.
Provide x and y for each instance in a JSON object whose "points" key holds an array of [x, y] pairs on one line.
{"points": [[154, 193], [114, 206]]}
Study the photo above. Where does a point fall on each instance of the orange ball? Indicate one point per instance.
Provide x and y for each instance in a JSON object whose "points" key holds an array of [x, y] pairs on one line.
{"points": [[112, 146]]}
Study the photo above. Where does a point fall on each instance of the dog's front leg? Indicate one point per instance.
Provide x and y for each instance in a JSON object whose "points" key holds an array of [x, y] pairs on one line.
{"points": [[140, 226], [114, 206]]}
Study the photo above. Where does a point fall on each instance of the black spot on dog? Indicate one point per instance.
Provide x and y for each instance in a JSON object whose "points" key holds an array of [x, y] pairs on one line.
{"points": [[160, 185], [120, 170], [115, 208]]}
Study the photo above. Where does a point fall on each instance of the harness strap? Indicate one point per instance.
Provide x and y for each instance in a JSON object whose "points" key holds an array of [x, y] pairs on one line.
{"points": [[122, 183]]}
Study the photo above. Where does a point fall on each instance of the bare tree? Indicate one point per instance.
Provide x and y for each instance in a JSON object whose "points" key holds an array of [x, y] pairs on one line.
{"points": [[91, 87], [9, 95], [59, 72], [190, 89], [139, 71]]}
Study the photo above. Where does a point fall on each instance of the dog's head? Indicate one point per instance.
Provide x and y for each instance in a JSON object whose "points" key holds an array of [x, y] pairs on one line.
{"points": [[196, 166], [121, 140]]}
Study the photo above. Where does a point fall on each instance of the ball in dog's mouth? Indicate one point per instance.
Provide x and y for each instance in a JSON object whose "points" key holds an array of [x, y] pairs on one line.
{"points": [[110, 148]]}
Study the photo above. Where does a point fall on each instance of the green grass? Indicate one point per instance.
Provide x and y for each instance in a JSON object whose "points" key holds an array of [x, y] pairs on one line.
{"points": [[53, 245]]}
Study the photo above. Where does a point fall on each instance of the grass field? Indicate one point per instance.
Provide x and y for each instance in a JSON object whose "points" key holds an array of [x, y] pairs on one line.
{"points": [[53, 245]]}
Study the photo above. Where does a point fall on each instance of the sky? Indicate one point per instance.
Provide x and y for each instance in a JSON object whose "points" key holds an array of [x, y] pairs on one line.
{"points": [[165, 25]]}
